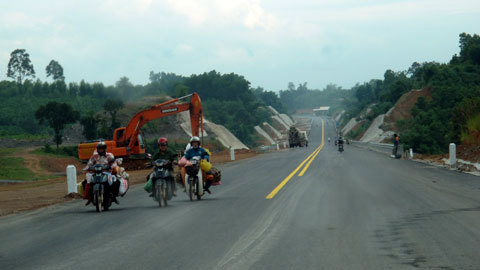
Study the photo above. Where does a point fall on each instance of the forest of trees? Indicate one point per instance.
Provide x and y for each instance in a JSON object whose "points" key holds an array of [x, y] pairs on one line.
{"points": [[446, 118], [228, 99]]}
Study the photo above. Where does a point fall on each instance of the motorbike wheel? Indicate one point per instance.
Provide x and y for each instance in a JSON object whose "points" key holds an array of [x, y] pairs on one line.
{"points": [[191, 189], [199, 189], [98, 200], [106, 201], [158, 194], [162, 202]]}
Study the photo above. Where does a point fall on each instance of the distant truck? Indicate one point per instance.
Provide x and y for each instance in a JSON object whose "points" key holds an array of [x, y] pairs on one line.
{"points": [[297, 137]]}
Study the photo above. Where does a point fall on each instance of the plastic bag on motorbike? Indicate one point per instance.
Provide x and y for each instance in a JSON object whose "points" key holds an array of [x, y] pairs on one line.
{"points": [[205, 165], [81, 187], [182, 162], [122, 189], [148, 186]]}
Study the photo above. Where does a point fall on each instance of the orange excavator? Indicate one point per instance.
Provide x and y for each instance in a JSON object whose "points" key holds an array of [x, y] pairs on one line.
{"points": [[128, 142]]}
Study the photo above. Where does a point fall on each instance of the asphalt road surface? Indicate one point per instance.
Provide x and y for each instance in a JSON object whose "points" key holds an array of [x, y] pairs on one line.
{"points": [[353, 210]]}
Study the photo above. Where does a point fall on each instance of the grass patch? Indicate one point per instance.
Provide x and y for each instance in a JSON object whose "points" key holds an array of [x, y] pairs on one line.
{"points": [[26, 137], [472, 133], [63, 151], [12, 168], [8, 151]]}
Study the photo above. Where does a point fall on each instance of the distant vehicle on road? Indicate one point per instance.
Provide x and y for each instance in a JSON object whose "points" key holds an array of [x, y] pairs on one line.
{"points": [[297, 137]]}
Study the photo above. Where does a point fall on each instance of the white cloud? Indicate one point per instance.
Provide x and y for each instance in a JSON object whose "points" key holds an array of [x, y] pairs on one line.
{"points": [[195, 12], [257, 17], [182, 48], [266, 39], [220, 13], [20, 20], [125, 9]]}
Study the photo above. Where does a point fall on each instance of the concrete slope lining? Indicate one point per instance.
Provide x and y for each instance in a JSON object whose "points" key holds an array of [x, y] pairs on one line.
{"points": [[184, 118], [274, 131], [286, 119], [348, 127], [374, 133], [225, 136], [275, 112], [339, 116], [264, 134], [280, 121]]}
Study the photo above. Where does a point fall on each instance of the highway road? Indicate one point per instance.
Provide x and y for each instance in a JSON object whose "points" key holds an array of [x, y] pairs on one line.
{"points": [[353, 210]]}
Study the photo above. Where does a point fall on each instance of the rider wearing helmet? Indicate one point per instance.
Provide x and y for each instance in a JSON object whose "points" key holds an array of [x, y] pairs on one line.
{"points": [[197, 151], [100, 156], [167, 154]]}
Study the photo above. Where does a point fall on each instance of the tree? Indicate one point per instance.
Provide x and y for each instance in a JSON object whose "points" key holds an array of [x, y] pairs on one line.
{"points": [[470, 48], [57, 115], [89, 123], [55, 70], [20, 66], [124, 87], [111, 106], [181, 90]]}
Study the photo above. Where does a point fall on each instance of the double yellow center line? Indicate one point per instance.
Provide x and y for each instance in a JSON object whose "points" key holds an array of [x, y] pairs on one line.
{"points": [[308, 160]]}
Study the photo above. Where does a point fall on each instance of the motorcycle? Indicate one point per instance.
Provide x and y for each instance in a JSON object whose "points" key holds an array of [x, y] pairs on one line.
{"points": [[340, 147], [102, 186], [161, 182], [194, 181]]}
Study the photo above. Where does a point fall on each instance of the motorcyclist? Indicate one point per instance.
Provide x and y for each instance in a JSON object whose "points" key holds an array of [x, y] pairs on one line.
{"points": [[167, 154], [328, 140], [197, 151], [340, 141], [100, 156]]}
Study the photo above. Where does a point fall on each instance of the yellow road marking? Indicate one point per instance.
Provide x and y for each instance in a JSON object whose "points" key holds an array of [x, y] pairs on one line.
{"points": [[280, 186], [320, 149]]}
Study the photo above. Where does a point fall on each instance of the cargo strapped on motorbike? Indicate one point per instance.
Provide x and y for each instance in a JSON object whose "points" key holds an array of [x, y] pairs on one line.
{"points": [[217, 176]]}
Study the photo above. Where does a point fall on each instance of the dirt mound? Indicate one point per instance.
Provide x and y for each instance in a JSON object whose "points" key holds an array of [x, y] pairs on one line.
{"points": [[403, 107], [469, 153]]}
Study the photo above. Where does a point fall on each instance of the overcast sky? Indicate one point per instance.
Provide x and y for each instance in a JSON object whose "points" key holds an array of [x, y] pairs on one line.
{"points": [[269, 42]]}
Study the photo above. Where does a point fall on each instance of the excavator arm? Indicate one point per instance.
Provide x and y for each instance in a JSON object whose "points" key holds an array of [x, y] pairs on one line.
{"points": [[129, 136]]}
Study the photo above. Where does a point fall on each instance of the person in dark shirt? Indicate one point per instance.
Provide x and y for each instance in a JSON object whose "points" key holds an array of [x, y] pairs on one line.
{"points": [[396, 141], [167, 154]]}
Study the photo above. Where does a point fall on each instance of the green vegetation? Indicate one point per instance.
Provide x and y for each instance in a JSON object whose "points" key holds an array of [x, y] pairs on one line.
{"points": [[13, 167], [57, 115], [227, 100], [471, 134], [63, 151], [452, 113]]}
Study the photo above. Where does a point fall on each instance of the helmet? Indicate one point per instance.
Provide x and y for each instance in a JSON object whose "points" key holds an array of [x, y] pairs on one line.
{"points": [[195, 139], [162, 140], [102, 145]]}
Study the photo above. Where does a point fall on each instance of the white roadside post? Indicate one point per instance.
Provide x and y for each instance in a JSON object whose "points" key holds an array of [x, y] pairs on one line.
{"points": [[232, 153], [72, 179], [278, 147], [411, 153], [453, 154]]}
